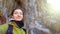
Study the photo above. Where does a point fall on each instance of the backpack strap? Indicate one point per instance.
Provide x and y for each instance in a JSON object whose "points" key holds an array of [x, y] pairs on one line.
{"points": [[10, 30]]}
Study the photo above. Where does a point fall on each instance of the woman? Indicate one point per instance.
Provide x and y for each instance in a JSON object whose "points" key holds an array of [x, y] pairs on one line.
{"points": [[16, 24]]}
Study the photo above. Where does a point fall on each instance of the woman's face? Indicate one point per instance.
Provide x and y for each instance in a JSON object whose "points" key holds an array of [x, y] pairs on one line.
{"points": [[18, 15]]}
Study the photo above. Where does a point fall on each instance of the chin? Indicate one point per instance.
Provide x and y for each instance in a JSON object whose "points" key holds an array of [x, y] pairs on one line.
{"points": [[18, 20]]}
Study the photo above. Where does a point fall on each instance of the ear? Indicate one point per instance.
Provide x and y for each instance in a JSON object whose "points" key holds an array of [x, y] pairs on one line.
{"points": [[11, 16]]}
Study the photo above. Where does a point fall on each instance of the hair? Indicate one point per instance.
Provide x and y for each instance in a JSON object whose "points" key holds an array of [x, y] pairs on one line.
{"points": [[14, 10]]}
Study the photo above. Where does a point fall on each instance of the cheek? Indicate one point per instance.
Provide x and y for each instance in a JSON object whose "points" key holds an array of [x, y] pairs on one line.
{"points": [[14, 16], [21, 16]]}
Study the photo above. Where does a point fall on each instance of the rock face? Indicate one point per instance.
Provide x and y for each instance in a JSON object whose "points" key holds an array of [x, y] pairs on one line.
{"points": [[38, 11], [35, 11], [6, 6]]}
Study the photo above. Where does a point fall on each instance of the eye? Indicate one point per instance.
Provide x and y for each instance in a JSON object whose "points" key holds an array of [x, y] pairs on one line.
{"points": [[21, 13], [15, 12]]}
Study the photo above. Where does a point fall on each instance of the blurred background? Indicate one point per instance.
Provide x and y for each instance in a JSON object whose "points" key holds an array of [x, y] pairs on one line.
{"points": [[40, 16]]}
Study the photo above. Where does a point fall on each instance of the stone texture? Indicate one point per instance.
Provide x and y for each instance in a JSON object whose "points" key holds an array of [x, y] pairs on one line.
{"points": [[37, 10]]}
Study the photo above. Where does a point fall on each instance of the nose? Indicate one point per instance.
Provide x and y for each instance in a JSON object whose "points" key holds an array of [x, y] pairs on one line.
{"points": [[19, 15]]}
